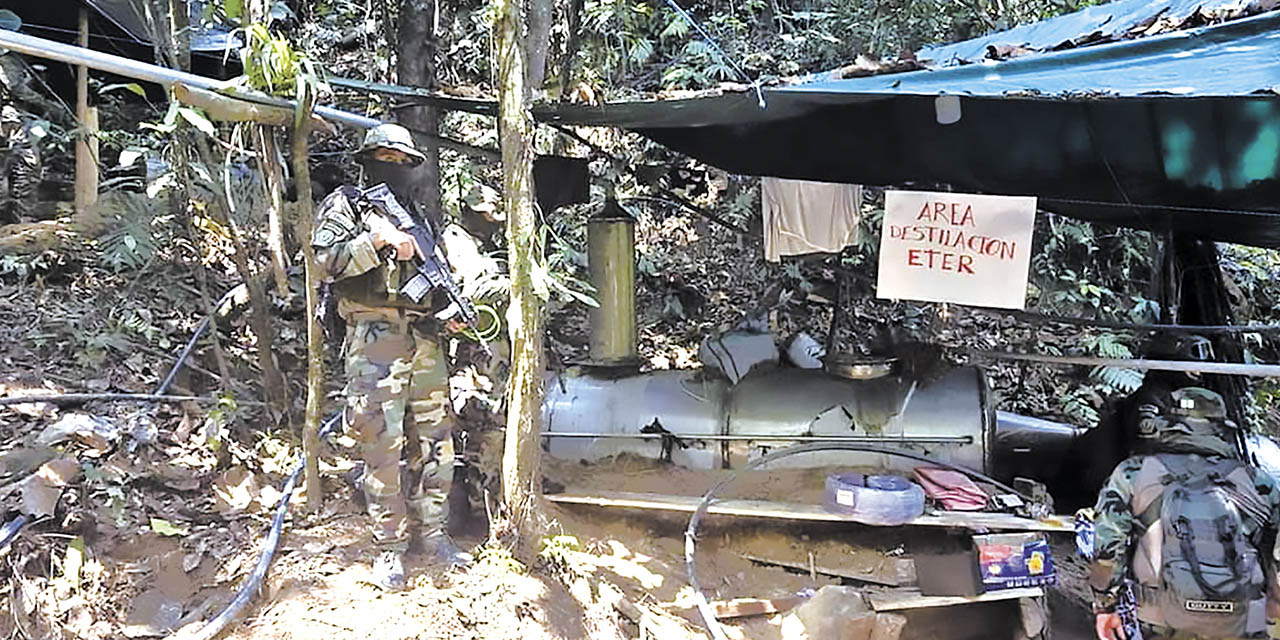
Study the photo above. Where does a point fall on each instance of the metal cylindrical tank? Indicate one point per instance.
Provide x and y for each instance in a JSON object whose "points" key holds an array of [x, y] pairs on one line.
{"points": [[946, 418], [611, 262], [684, 402]]}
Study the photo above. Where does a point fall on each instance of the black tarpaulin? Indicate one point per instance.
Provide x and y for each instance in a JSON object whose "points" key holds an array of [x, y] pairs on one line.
{"points": [[1150, 133], [1173, 131]]}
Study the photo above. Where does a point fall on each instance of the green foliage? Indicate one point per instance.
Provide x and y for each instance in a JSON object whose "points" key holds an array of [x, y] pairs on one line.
{"points": [[129, 242], [560, 553], [1079, 408], [626, 38], [270, 63], [191, 115], [109, 486], [1076, 272], [1117, 380], [558, 274], [218, 420], [497, 558]]}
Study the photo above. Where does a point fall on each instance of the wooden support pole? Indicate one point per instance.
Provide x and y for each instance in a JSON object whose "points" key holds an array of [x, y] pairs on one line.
{"points": [[87, 141], [86, 144], [315, 333]]}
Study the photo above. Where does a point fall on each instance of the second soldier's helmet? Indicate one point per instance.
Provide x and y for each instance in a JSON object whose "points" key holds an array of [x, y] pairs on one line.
{"points": [[1199, 404], [391, 137]]}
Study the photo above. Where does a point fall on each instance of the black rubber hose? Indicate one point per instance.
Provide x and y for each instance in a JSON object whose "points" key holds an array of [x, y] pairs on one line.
{"points": [[690, 534], [219, 623], [11, 528], [191, 344]]}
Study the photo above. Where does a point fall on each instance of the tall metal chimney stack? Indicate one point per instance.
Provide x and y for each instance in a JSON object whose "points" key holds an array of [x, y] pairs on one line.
{"points": [[611, 260]]}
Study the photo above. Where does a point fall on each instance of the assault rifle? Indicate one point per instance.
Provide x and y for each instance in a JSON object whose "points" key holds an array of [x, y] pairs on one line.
{"points": [[434, 270]]}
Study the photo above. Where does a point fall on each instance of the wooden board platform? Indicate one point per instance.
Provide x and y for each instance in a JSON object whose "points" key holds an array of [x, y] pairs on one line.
{"points": [[849, 574], [810, 512], [900, 599]]}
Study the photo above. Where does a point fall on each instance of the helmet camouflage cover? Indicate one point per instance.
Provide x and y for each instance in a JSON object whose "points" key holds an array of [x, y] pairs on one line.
{"points": [[393, 137], [1196, 402]]}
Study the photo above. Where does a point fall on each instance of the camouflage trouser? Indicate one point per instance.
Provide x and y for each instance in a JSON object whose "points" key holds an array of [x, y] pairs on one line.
{"points": [[397, 394]]}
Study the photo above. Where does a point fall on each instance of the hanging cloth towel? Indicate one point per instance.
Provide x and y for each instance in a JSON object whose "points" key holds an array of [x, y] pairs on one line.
{"points": [[953, 489], [808, 217]]}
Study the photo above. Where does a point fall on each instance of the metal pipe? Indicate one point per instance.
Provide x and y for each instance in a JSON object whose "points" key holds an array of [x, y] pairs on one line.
{"points": [[777, 438], [611, 259], [73, 398], [1223, 368], [60, 52]]}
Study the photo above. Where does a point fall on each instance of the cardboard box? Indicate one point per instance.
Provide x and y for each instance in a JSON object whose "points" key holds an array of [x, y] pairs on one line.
{"points": [[1013, 560]]}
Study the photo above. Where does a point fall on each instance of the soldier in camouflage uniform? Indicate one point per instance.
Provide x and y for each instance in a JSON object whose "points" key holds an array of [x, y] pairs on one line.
{"points": [[1120, 531], [22, 168], [397, 375]]}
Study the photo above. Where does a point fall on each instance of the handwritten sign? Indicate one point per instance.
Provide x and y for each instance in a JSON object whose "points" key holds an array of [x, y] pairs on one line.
{"points": [[956, 247]]}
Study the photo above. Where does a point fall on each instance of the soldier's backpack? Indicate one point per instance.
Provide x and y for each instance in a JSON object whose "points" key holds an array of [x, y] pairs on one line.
{"points": [[1196, 570]]}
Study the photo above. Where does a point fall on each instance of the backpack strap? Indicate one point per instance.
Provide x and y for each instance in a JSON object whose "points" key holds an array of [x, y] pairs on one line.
{"points": [[1146, 501], [1148, 490]]}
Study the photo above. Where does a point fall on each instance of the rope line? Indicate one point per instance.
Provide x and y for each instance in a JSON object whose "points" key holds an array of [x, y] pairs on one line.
{"points": [[711, 42]]}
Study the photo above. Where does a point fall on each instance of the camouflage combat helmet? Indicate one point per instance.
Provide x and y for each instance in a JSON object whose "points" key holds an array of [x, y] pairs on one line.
{"points": [[1195, 422], [393, 137], [1199, 403]]}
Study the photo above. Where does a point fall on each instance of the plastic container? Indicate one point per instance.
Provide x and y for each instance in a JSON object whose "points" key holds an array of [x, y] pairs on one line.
{"points": [[882, 500]]}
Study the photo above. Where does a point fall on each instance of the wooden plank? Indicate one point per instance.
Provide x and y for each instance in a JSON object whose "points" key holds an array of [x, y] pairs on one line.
{"points": [[743, 607], [808, 512], [900, 599], [847, 574]]}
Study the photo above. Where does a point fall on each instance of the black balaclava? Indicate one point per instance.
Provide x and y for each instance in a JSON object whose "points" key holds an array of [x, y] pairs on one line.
{"points": [[402, 179], [399, 177]]}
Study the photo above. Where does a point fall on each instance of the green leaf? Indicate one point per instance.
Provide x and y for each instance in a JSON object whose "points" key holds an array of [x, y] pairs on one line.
{"points": [[132, 87], [677, 28], [198, 121], [233, 8], [165, 528]]}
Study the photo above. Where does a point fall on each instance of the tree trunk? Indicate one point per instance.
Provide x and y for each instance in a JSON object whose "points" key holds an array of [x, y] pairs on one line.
{"points": [[522, 450], [273, 184], [416, 66], [180, 30], [537, 41], [573, 42], [273, 387], [315, 333]]}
